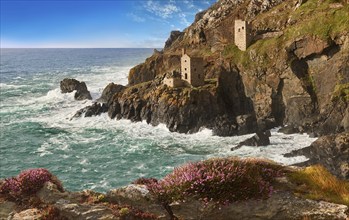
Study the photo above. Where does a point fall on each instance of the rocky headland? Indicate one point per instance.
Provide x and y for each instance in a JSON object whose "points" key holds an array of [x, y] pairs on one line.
{"points": [[294, 74]]}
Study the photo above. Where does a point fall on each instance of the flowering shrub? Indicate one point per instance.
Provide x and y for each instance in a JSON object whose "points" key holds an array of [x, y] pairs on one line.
{"points": [[28, 182], [223, 180]]}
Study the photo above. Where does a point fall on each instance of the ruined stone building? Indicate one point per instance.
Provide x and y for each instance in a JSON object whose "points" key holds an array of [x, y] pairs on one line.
{"points": [[173, 79], [242, 34], [192, 69], [191, 73]]}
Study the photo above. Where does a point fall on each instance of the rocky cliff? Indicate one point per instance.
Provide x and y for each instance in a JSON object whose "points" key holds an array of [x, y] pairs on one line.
{"points": [[294, 73]]}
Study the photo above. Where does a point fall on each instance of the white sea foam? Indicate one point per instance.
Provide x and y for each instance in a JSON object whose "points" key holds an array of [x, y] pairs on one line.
{"points": [[4, 86]]}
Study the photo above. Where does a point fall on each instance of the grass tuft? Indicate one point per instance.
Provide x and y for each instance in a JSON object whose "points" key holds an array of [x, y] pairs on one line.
{"points": [[316, 183]]}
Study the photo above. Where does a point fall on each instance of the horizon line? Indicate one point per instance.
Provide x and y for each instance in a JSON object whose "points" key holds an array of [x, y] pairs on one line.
{"points": [[81, 48]]}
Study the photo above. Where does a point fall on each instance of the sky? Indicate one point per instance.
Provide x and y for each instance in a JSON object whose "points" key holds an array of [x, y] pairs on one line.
{"points": [[94, 23]]}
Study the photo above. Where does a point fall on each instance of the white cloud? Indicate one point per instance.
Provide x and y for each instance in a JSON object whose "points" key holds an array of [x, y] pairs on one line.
{"points": [[184, 21], [189, 3], [136, 18], [163, 11]]}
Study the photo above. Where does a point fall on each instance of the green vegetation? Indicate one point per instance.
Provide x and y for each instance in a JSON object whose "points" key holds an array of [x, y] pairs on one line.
{"points": [[317, 183], [316, 18], [313, 18], [217, 180], [236, 55], [341, 91]]}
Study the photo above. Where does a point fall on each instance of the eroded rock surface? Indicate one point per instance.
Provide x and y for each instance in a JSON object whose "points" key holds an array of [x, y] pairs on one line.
{"points": [[331, 151], [70, 85]]}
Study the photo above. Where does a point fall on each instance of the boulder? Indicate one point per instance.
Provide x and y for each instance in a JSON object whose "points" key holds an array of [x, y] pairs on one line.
{"points": [[137, 196], [70, 85], [84, 211]]}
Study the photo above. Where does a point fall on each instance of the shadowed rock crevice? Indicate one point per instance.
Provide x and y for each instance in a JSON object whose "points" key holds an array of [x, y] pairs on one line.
{"points": [[278, 105], [301, 69]]}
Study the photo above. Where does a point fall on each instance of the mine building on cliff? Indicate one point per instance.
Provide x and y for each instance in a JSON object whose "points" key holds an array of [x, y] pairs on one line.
{"points": [[191, 74], [173, 79], [242, 35], [192, 69]]}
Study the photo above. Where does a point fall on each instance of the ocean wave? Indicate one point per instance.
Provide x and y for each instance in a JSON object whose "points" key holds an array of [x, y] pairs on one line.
{"points": [[4, 86]]}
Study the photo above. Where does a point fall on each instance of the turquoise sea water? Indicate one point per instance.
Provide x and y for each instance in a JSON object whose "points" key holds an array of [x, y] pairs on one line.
{"points": [[96, 153]]}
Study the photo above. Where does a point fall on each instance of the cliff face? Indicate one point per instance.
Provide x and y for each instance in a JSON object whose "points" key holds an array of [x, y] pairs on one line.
{"points": [[186, 109], [295, 72]]}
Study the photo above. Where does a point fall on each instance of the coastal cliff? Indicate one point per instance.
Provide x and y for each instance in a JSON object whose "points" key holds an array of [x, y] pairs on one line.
{"points": [[294, 73]]}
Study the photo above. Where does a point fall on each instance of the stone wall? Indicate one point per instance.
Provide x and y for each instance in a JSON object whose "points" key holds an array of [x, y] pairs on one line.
{"points": [[173, 82]]}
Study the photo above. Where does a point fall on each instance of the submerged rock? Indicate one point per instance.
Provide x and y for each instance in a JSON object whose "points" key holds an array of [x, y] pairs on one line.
{"points": [[259, 139], [70, 85]]}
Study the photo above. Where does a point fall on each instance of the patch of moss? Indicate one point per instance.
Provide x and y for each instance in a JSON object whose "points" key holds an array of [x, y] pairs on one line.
{"points": [[316, 183], [341, 91], [236, 55], [316, 18]]}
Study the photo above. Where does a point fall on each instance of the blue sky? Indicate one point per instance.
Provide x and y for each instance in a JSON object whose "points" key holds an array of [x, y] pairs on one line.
{"points": [[94, 23]]}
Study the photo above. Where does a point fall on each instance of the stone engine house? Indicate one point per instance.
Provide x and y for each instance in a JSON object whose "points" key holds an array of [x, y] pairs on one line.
{"points": [[192, 69], [242, 34]]}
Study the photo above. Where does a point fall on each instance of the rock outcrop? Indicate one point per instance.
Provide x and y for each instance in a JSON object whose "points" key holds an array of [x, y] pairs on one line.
{"points": [[109, 92], [70, 85], [331, 151]]}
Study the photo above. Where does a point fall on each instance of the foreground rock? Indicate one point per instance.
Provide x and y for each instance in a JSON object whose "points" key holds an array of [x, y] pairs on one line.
{"points": [[331, 151], [279, 206], [137, 196], [70, 85], [283, 198]]}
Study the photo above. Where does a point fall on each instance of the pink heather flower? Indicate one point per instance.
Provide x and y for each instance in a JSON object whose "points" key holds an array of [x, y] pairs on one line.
{"points": [[28, 182]]}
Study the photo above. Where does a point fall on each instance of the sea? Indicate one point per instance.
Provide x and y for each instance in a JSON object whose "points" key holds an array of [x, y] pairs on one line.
{"points": [[98, 153]]}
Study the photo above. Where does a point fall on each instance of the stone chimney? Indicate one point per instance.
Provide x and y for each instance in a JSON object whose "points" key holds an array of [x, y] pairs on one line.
{"points": [[184, 51]]}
